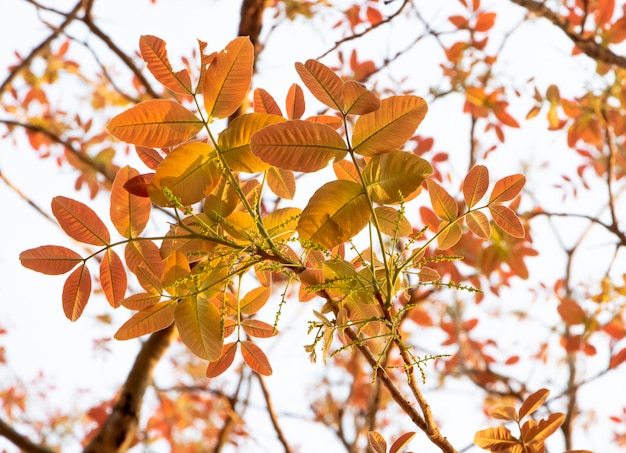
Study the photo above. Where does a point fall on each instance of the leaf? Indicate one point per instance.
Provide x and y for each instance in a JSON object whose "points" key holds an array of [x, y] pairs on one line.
{"points": [[478, 223], [188, 171], [140, 185], [144, 254], [484, 21], [199, 325], [113, 277], [391, 177], [220, 365], [255, 358], [323, 83], [443, 204], [504, 413], [282, 222], [377, 442], [618, 358], [295, 102], [254, 300], [390, 222], [234, 141], [389, 127], [540, 431], [336, 212], [506, 219], [298, 145], [507, 188], [281, 182], [50, 259], [174, 273], [571, 312], [359, 100], [141, 301], [76, 292], [227, 79], [258, 329], [475, 185], [401, 442], [151, 319], [263, 102], [496, 439], [427, 274], [129, 213], [533, 402], [450, 236], [345, 169], [149, 156], [79, 221], [154, 53], [157, 123]]}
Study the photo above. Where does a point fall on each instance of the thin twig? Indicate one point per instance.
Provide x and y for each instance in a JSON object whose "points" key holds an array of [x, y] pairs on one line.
{"points": [[272, 414]]}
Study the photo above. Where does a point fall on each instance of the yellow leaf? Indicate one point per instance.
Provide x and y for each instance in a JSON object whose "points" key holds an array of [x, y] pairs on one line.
{"points": [[443, 204], [157, 123], [448, 236], [336, 212], [281, 223], [199, 325], [359, 100], [496, 439], [188, 171], [389, 127], [504, 413], [227, 79], [390, 222], [298, 145], [323, 83], [150, 319], [478, 223], [281, 182], [175, 271]]}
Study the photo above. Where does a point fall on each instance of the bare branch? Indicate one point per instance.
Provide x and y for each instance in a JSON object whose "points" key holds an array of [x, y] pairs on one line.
{"points": [[21, 441], [272, 414]]}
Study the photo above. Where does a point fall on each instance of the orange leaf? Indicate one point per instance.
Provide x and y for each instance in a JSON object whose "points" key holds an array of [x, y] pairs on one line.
{"points": [[129, 213], [281, 182], [504, 413], [323, 83], [154, 53], [377, 442], [497, 439], [175, 271], [485, 21], [295, 102], [79, 221], [618, 358], [540, 431], [401, 442], [157, 123], [151, 319], [427, 274], [506, 219], [254, 300], [259, 329], [50, 259], [359, 100], [263, 102], [475, 185], [298, 145], [533, 402], [389, 127], [227, 79], [144, 254], [478, 224], [112, 277], [199, 325], [507, 188], [458, 21], [220, 365], [140, 301], [255, 358], [571, 312], [450, 236], [76, 292], [443, 204], [149, 156]]}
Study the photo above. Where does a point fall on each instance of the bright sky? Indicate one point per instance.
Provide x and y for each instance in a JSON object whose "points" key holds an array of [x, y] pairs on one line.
{"points": [[41, 338]]}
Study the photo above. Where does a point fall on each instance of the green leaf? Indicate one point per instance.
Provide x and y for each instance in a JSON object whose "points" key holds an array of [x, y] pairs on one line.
{"points": [[336, 212], [298, 145], [394, 176], [199, 325], [388, 128]]}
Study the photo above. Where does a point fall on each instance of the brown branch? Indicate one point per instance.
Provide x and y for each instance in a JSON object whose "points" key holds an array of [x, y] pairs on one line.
{"points": [[19, 440], [120, 427], [587, 45], [272, 414]]}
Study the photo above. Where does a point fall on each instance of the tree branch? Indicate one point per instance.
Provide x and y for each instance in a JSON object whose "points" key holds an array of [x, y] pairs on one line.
{"points": [[587, 45], [272, 414], [21, 441]]}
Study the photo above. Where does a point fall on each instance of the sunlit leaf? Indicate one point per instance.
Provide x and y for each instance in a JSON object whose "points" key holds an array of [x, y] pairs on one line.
{"points": [[504, 413], [540, 431], [475, 185], [533, 402], [478, 223], [427, 274], [344, 169], [377, 442], [157, 123], [258, 329], [175, 271], [359, 100], [323, 83], [140, 301], [391, 223], [448, 236], [50, 259], [188, 238], [199, 325], [79, 221], [443, 204], [497, 439], [255, 358], [336, 212], [149, 156], [112, 277], [234, 141], [151, 319], [129, 213], [617, 358], [506, 219], [388, 128], [254, 300], [298, 145], [507, 188], [188, 171], [241, 227], [281, 182], [295, 102], [227, 79], [264, 103], [394, 176], [281, 223], [329, 120], [401, 442], [76, 292], [144, 254], [140, 185], [154, 53], [220, 365]]}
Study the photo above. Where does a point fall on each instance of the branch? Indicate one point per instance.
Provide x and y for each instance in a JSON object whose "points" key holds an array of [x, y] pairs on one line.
{"points": [[120, 427], [587, 45], [21, 441], [272, 414]]}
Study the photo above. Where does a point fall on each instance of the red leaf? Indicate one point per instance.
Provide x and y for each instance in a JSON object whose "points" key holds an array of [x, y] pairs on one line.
{"points": [[401, 442], [618, 359], [76, 292], [139, 185], [50, 259], [255, 358], [79, 221], [113, 278], [265, 103]]}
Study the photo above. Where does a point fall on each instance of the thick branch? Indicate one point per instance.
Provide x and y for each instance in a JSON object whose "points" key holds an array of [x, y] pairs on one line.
{"points": [[587, 45], [21, 441], [120, 428]]}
